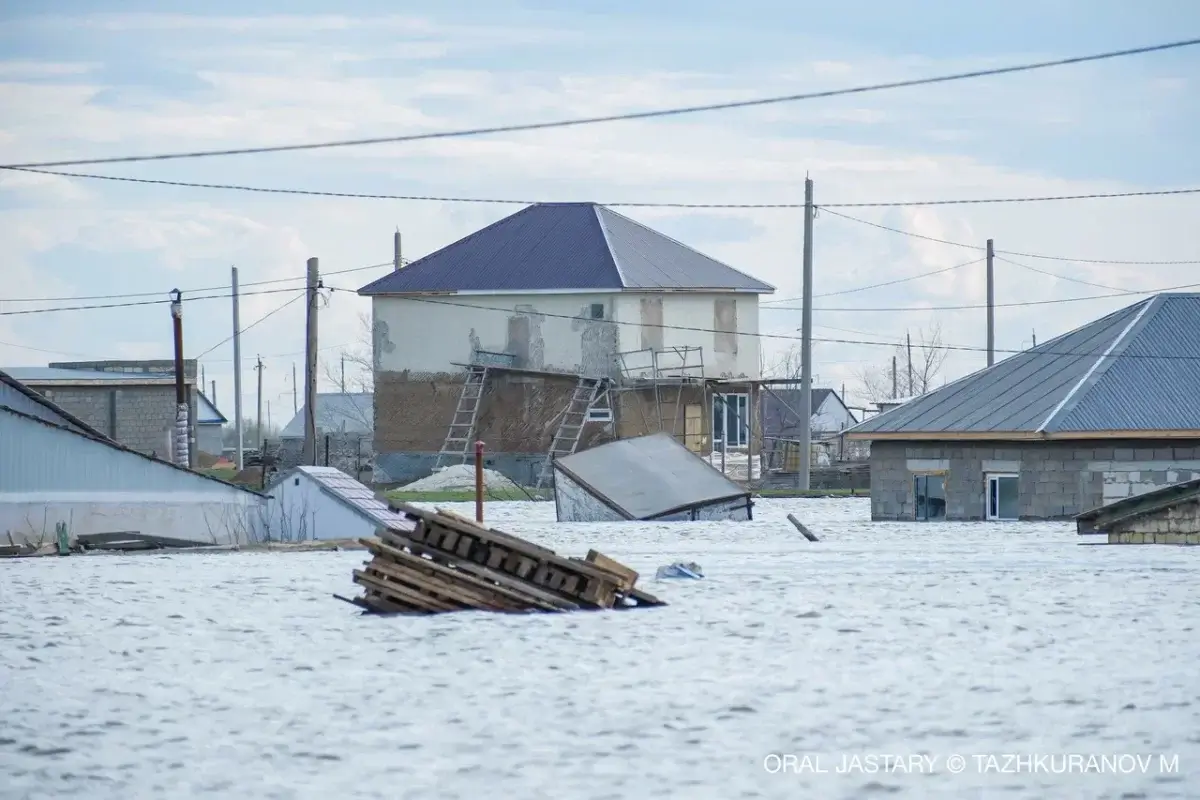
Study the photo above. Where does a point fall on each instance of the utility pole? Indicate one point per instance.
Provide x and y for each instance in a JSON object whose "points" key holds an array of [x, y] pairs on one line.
{"points": [[310, 366], [203, 380], [804, 477], [1035, 338], [181, 400], [268, 415], [908, 346], [295, 407], [397, 260], [991, 306], [237, 373], [894, 395], [258, 428], [214, 392], [343, 373]]}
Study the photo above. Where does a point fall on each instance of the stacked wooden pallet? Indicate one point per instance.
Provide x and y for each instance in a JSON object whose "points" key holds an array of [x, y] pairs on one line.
{"points": [[437, 561]]}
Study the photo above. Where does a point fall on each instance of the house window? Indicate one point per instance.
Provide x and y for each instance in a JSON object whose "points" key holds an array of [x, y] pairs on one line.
{"points": [[597, 310], [929, 496], [599, 415], [1002, 497], [731, 420]]}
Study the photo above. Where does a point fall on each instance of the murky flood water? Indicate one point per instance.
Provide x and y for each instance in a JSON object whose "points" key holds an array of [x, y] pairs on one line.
{"points": [[238, 675]]}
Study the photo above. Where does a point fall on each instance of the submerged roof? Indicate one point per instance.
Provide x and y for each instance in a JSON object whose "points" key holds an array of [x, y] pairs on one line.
{"points": [[336, 413], [352, 494], [1102, 519], [567, 247], [648, 476], [1136, 370]]}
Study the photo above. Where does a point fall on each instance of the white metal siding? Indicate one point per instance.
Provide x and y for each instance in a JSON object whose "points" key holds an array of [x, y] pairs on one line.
{"points": [[21, 402], [300, 510]]}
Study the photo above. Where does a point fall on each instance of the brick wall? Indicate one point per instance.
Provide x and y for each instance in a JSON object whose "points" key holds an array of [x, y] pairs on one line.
{"points": [[1177, 525], [1057, 480]]}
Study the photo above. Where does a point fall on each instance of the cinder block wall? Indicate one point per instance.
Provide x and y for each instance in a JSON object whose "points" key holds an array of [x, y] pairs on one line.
{"points": [[1177, 525], [138, 417], [1058, 480]]}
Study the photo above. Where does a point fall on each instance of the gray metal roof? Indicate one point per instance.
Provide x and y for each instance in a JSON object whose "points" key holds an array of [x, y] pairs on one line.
{"points": [[336, 413], [1137, 369], [46, 374], [648, 476], [567, 247]]}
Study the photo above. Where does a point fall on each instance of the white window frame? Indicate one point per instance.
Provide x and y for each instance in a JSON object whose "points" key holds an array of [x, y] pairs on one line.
{"points": [[599, 415], [993, 479], [742, 433]]}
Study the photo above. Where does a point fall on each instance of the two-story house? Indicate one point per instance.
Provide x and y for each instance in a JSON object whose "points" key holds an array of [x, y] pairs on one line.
{"points": [[576, 314]]}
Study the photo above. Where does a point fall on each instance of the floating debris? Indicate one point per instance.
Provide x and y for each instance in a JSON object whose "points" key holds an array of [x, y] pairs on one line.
{"points": [[681, 569]]}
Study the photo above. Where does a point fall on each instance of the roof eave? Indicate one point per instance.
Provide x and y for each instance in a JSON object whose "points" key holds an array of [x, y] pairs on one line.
{"points": [[953, 436]]}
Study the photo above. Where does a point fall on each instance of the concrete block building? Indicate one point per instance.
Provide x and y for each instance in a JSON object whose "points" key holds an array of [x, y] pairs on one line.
{"points": [[1107, 411], [560, 311], [131, 402]]}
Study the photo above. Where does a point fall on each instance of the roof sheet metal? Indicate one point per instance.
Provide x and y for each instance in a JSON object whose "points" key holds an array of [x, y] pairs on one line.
{"points": [[206, 411], [352, 412], [353, 495], [16, 395], [564, 246], [648, 259], [1015, 395], [1152, 382], [36, 374], [648, 476]]}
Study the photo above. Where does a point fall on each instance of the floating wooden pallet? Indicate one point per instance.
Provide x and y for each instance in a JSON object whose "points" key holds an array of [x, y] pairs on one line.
{"points": [[438, 561]]}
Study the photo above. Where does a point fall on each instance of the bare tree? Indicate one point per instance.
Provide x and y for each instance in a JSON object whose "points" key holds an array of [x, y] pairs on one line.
{"points": [[928, 357], [354, 363]]}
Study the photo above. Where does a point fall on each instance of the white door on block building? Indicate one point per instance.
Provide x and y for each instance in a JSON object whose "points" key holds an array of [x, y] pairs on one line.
{"points": [[1003, 501]]}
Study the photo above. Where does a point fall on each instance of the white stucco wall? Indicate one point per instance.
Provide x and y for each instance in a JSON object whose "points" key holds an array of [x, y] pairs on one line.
{"points": [[831, 416], [425, 336], [687, 310]]}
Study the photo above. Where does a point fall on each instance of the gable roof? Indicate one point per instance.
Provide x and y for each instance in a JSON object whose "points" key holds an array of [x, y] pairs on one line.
{"points": [[565, 247], [336, 413], [353, 495], [20, 397], [1134, 371], [207, 412], [781, 408]]}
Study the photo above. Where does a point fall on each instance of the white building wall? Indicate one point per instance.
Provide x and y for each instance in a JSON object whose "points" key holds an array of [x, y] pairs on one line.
{"points": [[685, 310], [831, 416], [424, 336], [301, 510]]}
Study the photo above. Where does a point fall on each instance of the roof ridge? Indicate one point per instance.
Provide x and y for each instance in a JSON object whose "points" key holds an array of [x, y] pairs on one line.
{"points": [[47, 403], [1101, 365], [687, 247]]}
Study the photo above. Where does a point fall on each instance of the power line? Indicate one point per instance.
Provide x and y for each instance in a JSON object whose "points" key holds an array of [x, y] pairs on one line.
{"points": [[263, 318], [966, 246], [135, 303], [759, 335], [879, 285], [186, 291], [1061, 277], [636, 115], [517, 201]]}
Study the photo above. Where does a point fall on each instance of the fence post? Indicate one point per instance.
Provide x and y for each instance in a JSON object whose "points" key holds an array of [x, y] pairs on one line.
{"points": [[479, 482]]}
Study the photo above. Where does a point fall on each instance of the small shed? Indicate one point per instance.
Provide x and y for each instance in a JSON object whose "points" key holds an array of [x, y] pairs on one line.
{"points": [[648, 478], [308, 503], [1170, 515]]}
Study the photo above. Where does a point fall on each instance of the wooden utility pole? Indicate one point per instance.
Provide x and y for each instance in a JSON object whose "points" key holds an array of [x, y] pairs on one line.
{"points": [[804, 477], [237, 373], [258, 428], [214, 392], [180, 450], [310, 365], [343, 373], [295, 388], [991, 306], [908, 346], [1035, 338], [894, 395]]}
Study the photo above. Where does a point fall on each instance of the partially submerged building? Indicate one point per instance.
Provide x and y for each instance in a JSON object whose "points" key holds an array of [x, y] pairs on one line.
{"points": [[648, 478], [1170, 515], [559, 326], [308, 503], [1105, 412], [56, 468]]}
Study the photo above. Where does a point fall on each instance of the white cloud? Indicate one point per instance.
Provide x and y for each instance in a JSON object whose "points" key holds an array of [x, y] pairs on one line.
{"points": [[751, 156]]}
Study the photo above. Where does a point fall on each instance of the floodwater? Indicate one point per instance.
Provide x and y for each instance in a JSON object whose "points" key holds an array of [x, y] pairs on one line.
{"points": [[790, 671]]}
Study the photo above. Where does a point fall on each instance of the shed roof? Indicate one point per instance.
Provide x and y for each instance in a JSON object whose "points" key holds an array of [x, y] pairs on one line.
{"points": [[1134, 371], [46, 375], [1102, 519], [350, 493], [207, 412], [565, 247], [648, 476], [352, 412]]}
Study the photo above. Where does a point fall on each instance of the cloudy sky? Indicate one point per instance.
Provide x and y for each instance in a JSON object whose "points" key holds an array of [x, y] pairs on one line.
{"points": [[148, 77]]}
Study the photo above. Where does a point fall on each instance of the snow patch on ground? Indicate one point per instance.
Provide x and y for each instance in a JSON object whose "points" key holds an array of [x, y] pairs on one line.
{"points": [[459, 477]]}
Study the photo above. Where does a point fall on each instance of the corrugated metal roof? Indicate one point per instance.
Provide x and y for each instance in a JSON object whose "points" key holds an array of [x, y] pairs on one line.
{"points": [[336, 413], [15, 394], [206, 411], [648, 476], [38, 455], [352, 494], [1068, 384], [38, 374], [564, 246]]}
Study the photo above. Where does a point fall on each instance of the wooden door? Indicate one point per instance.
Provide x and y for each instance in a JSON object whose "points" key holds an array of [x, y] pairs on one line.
{"points": [[693, 427]]}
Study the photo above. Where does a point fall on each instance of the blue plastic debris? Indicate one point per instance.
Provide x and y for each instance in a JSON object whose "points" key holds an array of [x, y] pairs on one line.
{"points": [[681, 569]]}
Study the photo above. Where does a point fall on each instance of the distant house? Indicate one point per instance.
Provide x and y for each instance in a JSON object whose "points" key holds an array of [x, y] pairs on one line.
{"points": [[132, 402], [781, 417], [56, 468], [309, 503], [560, 325], [210, 425], [344, 433], [1109, 410]]}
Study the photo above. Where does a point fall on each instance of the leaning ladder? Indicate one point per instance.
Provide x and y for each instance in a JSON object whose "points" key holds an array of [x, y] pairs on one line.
{"points": [[457, 446], [566, 438]]}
